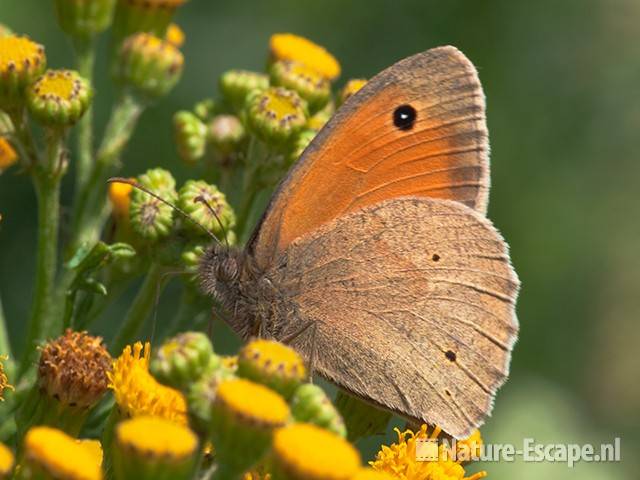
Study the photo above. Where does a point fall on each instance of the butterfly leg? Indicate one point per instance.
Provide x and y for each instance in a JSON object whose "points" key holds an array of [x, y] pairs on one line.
{"points": [[312, 328]]}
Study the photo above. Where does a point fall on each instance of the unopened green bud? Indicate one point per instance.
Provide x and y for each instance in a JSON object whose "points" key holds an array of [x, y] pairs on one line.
{"points": [[276, 114], [21, 62], [309, 84], [301, 141], [150, 218], [192, 256], [183, 359], [205, 109], [59, 98], [310, 404], [208, 206], [361, 419], [273, 364], [84, 18], [236, 85], [151, 66], [190, 136], [225, 133], [201, 393]]}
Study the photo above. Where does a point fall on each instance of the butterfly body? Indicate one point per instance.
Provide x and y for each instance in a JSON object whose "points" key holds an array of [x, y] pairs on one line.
{"points": [[374, 258]]}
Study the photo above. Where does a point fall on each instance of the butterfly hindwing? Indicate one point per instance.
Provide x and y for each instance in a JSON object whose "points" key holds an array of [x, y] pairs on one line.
{"points": [[411, 304]]}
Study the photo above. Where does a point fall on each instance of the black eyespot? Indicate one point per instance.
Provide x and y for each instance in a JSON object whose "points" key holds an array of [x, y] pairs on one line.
{"points": [[451, 355], [435, 257], [404, 117]]}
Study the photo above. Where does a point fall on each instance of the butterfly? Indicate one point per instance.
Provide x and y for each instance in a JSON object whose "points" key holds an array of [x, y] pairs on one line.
{"points": [[374, 257]]}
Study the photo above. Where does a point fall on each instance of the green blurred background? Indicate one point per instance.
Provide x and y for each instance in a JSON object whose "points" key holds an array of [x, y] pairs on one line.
{"points": [[562, 82]]}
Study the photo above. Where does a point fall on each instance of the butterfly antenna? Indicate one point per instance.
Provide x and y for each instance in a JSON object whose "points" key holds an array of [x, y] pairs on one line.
{"points": [[203, 200], [136, 185]]}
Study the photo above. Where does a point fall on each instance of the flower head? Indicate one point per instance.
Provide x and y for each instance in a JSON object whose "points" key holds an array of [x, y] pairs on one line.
{"points": [[138, 393], [225, 132], [304, 451], [73, 369], [150, 218], [59, 98], [400, 460], [51, 452], [153, 16], [351, 87], [120, 198], [273, 364], [151, 447], [371, 474], [175, 35], [8, 155], [308, 83], [276, 114], [7, 460], [208, 206], [183, 359], [236, 85], [150, 65], [21, 61], [287, 46], [243, 417]]}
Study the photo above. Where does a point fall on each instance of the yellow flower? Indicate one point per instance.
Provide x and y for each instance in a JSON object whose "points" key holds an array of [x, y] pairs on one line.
{"points": [[120, 198], [399, 459], [305, 451], [256, 474], [4, 380], [8, 155], [138, 393], [273, 364], [21, 61], [6, 461], [58, 455], [240, 397], [351, 87], [371, 474], [19, 54], [156, 438], [94, 447], [175, 35], [287, 46], [469, 448]]}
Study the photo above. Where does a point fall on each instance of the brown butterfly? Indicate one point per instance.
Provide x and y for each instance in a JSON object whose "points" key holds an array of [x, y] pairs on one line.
{"points": [[374, 258]]}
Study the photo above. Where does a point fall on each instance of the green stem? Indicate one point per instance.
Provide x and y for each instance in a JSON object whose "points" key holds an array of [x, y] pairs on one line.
{"points": [[89, 213], [85, 59], [140, 309], [46, 178], [5, 345]]}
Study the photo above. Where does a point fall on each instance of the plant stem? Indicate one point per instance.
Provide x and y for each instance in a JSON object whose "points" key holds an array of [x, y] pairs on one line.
{"points": [[89, 212], [85, 56], [140, 309], [46, 178]]}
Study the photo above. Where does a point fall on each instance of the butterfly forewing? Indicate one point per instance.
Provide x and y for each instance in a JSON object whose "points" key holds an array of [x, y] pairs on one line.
{"points": [[411, 304], [416, 129]]}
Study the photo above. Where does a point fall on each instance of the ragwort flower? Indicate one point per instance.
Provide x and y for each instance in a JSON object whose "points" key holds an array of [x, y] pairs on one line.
{"points": [[138, 393]]}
